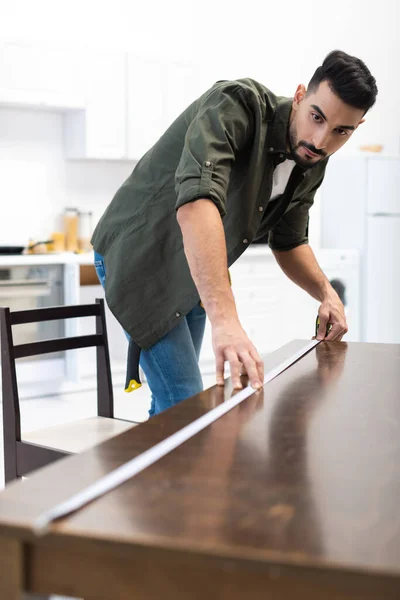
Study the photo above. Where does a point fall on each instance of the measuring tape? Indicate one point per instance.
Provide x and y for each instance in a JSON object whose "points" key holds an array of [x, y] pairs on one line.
{"points": [[152, 455]]}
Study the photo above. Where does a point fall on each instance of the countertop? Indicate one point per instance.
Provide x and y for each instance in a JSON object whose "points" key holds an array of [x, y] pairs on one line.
{"points": [[52, 258], [324, 256]]}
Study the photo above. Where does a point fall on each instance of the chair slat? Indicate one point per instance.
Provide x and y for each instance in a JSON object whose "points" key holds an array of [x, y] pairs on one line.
{"points": [[57, 345], [37, 315]]}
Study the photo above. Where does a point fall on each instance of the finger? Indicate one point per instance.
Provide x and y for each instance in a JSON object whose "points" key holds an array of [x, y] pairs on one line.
{"points": [[251, 368], [259, 364], [335, 333], [219, 367], [234, 364], [345, 329], [340, 337], [342, 334], [323, 323], [342, 324]]}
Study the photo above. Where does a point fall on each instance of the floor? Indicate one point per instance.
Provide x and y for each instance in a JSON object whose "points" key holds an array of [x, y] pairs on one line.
{"points": [[44, 411]]}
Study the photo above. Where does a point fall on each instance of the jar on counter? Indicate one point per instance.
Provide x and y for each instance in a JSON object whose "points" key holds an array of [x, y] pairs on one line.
{"points": [[71, 219], [85, 231]]}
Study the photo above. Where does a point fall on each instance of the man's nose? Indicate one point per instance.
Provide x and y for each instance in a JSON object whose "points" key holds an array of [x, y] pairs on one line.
{"points": [[321, 139]]}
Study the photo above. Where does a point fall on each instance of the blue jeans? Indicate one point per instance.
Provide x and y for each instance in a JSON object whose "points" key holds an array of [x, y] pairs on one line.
{"points": [[171, 364]]}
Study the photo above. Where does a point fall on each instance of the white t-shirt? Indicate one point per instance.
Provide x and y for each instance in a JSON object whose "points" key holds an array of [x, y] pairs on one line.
{"points": [[281, 177]]}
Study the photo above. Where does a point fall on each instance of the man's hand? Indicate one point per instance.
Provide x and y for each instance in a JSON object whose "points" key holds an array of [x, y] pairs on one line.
{"points": [[300, 265], [332, 311], [230, 343]]}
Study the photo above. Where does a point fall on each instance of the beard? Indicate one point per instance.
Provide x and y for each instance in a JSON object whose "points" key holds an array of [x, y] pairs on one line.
{"points": [[294, 145]]}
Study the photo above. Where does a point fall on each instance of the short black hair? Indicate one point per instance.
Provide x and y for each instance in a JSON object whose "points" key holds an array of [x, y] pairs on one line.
{"points": [[348, 77]]}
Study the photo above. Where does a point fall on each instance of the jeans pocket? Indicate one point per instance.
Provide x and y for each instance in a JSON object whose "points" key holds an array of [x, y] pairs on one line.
{"points": [[101, 271]]}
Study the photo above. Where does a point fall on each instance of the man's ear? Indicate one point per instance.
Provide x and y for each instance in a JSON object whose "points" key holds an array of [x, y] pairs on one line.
{"points": [[299, 96]]}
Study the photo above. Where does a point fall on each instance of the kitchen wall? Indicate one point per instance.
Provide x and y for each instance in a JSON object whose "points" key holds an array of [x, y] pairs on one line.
{"points": [[36, 182], [279, 44]]}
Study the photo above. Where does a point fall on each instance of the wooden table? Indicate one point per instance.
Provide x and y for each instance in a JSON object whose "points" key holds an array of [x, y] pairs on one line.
{"points": [[293, 494]]}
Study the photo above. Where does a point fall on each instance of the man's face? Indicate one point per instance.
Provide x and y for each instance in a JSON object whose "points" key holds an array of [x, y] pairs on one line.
{"points": [[320, 123]]}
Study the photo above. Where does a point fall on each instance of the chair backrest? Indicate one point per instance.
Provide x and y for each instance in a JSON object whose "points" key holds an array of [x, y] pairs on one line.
{"points": [[11, 352]]}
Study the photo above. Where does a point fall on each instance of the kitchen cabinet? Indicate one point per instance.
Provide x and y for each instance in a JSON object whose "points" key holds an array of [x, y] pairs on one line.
{"points": [[184, 84], [40, 76], [116, 105], [273, 310], [145, 104], [158, 91], [99, 131]]}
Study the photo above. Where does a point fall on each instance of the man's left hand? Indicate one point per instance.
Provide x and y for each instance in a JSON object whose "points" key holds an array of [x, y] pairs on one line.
{"points": [[332, 311]]}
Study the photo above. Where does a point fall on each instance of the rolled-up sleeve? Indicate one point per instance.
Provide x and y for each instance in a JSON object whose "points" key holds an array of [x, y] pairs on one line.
{"points": [[219, 130], [292, 229]]}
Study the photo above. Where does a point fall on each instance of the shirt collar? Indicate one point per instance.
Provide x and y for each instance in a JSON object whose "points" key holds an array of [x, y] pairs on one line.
{"points": [[278, 127]]}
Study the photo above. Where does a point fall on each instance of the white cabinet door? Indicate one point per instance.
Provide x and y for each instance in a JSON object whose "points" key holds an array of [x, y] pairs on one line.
{"points": [[99, 131], [158, 91], [184, 84], [40, 76], [384, 186], [145, 104], [383, 281]]}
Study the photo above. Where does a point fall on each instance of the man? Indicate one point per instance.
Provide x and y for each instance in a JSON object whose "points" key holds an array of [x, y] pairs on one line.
{"points": [[237, 164]]}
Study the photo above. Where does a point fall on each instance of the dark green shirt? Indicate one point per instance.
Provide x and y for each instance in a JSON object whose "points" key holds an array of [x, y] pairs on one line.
{"points": [[224, 147]]}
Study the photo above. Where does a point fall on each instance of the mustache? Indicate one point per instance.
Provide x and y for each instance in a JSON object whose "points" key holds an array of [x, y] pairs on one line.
{"points": [[311, 148]]}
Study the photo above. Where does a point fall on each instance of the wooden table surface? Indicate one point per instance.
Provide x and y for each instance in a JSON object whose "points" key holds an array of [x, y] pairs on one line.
{"points": [[294, 493]]}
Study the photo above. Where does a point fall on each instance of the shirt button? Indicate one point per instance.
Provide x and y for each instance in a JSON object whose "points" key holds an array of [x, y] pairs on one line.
{"points": [[281, 155], [245, 241], [177, 314], [207, 163], [271, 149], [260, 208]]}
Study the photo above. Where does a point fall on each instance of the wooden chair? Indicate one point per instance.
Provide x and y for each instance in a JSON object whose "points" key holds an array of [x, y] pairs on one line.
{"points": [[40, 448]]}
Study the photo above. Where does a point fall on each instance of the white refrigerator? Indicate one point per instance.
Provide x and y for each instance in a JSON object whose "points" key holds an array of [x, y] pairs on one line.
{"points": [[360, 208]]}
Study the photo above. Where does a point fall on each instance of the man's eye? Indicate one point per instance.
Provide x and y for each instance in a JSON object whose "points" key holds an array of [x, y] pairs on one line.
{"points": [[341, 131], [316, 117]]}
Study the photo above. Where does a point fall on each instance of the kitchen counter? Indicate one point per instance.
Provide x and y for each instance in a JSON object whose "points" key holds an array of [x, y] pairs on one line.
{"points": [[63, 258], [86, 258], [324, 255]]}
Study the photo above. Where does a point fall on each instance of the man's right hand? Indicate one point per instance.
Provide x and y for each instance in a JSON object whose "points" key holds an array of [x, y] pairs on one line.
{"points": [[231, 343]]}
